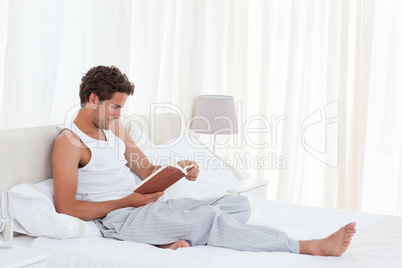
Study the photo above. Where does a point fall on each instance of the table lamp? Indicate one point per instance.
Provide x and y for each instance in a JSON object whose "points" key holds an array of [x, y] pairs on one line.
{"points": [[215, 115]]}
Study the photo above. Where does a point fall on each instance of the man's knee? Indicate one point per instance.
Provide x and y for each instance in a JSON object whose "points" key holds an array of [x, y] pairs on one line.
{"points": [[241, 202], [240, 207], [244, 201], [245, 208]]}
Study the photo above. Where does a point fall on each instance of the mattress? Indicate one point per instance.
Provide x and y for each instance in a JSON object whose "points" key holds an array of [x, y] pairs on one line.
{"points": [[377, 243]]}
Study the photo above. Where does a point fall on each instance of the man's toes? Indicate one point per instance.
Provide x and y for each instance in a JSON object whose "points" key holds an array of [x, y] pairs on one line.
{"points": [[182, 243], [350, 230], [347, 235]]}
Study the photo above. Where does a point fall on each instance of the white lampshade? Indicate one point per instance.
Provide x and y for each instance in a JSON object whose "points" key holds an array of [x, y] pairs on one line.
{"points": [[215, 114]]}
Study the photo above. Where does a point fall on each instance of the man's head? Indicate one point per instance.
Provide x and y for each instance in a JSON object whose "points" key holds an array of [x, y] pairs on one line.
{"points": [[105, 90], [104, 81]]}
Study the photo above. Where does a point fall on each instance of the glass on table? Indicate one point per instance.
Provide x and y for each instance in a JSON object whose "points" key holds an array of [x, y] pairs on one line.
{"points": [[6, 231]]}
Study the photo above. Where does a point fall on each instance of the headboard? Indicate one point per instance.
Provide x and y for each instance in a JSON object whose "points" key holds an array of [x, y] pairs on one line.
{"points": [[25, 154]]}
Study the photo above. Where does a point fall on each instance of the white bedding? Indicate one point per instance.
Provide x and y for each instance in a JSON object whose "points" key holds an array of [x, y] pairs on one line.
{"points": [[378, 241]]}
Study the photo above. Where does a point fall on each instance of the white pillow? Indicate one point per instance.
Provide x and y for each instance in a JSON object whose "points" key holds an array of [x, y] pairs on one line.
{"points": [[215, 177], [32, 207]]}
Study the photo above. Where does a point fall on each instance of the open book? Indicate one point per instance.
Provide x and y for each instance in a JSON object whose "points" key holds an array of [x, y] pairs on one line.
{"points": [[162, 179]]}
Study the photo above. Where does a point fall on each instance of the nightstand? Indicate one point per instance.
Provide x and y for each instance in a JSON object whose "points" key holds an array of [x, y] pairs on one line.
{"points": [[256, 188], [20, 256]]}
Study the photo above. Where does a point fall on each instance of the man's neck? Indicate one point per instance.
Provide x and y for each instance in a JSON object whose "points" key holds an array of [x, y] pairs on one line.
{"points": [[84, 121]]}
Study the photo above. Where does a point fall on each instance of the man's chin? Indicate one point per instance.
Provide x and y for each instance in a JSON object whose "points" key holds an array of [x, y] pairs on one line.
{"points": [[103, 125], [108, 123]]}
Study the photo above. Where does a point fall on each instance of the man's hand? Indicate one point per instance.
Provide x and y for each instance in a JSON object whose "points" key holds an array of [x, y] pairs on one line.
{"points": [[193, 172], [139, 200]]}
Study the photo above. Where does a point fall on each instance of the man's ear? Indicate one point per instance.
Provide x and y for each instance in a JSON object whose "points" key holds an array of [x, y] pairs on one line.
{"points": [[93, 100]]}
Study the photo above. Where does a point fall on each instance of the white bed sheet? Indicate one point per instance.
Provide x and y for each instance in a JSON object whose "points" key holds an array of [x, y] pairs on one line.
{"points": [[299, 222], [23, 240]]}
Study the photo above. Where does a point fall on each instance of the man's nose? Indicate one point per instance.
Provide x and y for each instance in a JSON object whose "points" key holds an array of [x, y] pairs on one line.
{"points": [[117, 114]]}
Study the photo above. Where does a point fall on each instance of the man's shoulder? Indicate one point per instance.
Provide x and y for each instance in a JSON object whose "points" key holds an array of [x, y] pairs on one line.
{"points": [[67, 138]]}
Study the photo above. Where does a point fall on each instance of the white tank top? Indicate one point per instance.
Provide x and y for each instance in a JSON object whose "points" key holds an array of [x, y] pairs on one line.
{"points": [[106, 176]]}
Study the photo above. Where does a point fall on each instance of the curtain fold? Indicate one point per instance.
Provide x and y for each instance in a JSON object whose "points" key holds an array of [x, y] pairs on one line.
{"points": [[3, 39], [344, 74], [364, 36]]}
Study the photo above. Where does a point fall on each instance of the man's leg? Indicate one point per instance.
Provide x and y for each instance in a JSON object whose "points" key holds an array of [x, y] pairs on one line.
{"points": [[236, 206], [164, 223]]}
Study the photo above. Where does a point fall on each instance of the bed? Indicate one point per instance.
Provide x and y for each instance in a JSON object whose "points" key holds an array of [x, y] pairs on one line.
{"points": [[25, 168]]}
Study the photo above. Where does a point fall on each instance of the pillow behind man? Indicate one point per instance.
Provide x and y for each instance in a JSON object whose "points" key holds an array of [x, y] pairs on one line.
{"points": [[32, 207]]}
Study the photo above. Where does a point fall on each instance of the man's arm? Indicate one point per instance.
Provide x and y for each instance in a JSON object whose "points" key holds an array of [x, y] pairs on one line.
{"points": [[66, 157], [139, 163]]}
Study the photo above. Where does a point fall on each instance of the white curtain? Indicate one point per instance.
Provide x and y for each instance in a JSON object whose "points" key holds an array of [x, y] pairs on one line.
{"points": [[336, 62], [316, 83], [46, 47], [381, 175], [178, 52], [304, 74]]}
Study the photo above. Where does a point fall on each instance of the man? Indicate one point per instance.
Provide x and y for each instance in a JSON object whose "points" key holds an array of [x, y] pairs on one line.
{"points": [[92, 181]]}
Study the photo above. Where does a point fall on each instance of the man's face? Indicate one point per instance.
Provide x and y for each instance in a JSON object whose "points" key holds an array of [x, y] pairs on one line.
{"points": [[110, 110]]}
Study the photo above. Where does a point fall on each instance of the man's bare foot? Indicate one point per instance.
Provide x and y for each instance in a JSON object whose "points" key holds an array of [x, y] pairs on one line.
{"points": [[178, 244], [333, 245]]}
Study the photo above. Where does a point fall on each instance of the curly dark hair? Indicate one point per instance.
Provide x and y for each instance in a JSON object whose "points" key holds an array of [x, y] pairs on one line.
{"points": [[104, 81]]}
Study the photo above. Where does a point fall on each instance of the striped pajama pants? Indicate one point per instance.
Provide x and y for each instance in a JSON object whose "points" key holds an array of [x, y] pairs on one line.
{"points": [[211, 221]]}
